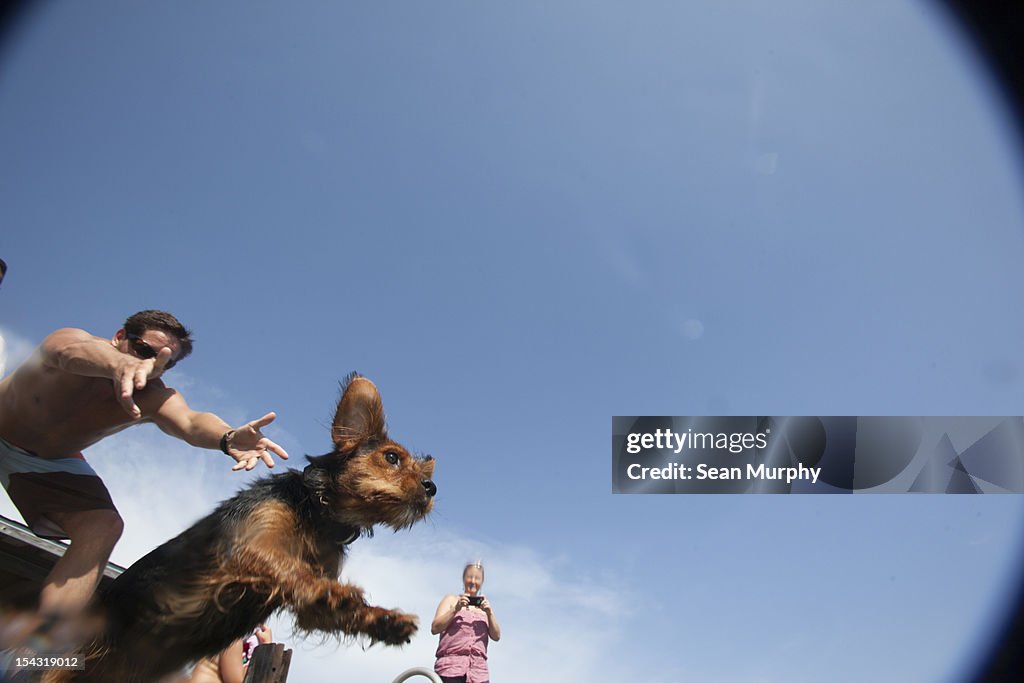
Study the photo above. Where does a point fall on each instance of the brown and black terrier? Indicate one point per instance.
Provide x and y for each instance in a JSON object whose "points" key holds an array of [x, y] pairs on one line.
{"points": [[277, 545]]}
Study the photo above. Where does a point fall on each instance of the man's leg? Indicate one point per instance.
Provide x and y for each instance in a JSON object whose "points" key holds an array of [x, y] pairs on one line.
{"points": [[69, 586], [72, 581]]}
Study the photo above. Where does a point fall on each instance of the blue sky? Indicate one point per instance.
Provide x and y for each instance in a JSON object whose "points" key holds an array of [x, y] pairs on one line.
{"points": [[520, 219]]}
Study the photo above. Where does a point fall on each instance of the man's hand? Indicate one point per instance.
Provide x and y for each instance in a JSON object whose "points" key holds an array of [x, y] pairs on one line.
{"points": [[248, 446], [132, 375]]}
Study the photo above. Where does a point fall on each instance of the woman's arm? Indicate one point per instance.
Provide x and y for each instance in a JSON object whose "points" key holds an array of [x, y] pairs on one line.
{"points": [[493, 629], [229, 664], [446, 611]]}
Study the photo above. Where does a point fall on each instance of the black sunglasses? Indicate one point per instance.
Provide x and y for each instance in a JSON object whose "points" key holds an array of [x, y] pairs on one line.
{"points": [[144, 350]]}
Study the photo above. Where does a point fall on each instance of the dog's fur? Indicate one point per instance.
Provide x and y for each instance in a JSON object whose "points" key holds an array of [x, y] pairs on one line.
{"points": [[276, 545]]}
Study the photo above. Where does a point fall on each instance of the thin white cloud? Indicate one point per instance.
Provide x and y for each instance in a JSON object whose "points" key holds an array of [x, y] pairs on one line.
{"points": [[160, 485], [14, 349]]}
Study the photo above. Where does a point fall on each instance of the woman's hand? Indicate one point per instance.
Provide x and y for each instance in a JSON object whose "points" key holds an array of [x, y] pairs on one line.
{"points": [[264, 634]]}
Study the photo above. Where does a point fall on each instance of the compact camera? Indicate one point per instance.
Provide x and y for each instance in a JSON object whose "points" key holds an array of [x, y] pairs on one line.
{"points": [[476, 600]]}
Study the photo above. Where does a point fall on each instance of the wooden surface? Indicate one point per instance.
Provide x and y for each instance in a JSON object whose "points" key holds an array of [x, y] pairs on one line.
{"points": [[269, 664]]}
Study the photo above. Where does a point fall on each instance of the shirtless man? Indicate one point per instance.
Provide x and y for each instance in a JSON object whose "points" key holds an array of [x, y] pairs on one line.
{"points": [[75, 390]]}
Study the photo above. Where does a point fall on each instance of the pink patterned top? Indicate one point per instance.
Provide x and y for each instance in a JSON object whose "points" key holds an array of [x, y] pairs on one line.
{"points": [[462, 648], [250, 644]]}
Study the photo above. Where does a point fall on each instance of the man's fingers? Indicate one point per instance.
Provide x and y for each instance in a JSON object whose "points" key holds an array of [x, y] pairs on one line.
{"points": [[277, 450], [127, 388], [161, 359], [263, 421], [260, 450], [129, 406], [246, 462], [125, 396]]}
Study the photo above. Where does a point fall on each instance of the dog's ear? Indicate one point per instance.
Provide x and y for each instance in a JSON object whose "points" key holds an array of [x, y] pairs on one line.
{"points": [[359, 416]]}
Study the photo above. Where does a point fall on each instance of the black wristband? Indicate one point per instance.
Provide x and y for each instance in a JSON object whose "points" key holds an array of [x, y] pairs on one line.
{"points": [[224, 441]]}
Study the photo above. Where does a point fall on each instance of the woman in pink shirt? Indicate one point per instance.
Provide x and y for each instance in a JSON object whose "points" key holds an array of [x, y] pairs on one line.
{"points": [[465, 623]]}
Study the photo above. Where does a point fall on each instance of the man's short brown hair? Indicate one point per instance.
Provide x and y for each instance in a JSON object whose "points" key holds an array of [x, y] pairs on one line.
{"points": [[161, 320]]}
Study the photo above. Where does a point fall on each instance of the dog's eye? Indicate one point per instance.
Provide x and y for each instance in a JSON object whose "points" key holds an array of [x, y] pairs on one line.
{"points": [[391, 457]]}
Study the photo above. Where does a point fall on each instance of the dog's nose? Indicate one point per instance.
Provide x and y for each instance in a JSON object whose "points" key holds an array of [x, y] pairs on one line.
{"points": [[429, 486]]}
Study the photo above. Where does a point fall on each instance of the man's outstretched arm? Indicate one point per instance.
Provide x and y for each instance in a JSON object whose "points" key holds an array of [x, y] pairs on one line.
{"points": [[246, 443]]}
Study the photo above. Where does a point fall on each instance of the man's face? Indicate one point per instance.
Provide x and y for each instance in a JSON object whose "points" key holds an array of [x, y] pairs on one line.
{"points": [[148, 345]]}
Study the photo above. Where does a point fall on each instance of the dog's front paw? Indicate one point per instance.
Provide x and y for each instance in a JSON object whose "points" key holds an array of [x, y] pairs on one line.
{"points": [[393, 627], [344, 597]]}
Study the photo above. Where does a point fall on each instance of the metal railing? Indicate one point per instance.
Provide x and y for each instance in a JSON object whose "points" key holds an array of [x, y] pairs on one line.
{"points": [[418, 671]]}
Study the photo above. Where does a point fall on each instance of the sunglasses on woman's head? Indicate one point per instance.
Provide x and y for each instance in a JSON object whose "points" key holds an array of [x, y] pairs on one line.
{"points": [[144, 350]]}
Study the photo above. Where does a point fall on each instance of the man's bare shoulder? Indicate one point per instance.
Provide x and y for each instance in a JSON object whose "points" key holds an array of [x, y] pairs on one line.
{"points": [[72, 334], [69, 335]]}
